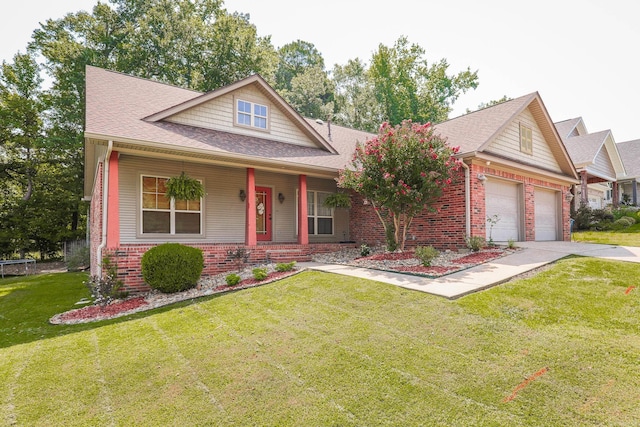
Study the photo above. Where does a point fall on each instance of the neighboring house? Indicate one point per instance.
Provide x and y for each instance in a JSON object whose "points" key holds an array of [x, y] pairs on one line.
{"points": [[266, 172], [597, 161], [630, 185], [515, 167]]}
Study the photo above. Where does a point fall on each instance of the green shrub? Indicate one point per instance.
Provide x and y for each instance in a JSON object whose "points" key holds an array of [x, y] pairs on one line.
{"points": [[426, 254], [475, 243], [511, 244], [232, 279], [623, 223], [259, 273], [365, 250], [79, 260], [172, 267], [285, 266], [630, 219]]}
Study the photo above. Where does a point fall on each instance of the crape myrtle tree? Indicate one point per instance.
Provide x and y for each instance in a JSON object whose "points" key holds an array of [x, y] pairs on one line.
{"points": [[401, 172]]}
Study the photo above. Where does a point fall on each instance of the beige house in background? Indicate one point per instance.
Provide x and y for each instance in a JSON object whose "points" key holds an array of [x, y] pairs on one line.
{"points": [[630, 185], [597, 161]]}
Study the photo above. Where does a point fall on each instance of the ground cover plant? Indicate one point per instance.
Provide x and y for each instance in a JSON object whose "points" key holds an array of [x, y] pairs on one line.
{"points": [[559, 348]]}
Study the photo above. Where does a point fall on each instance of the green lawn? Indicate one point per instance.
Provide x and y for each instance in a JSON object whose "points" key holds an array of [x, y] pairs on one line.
{"points": [[318, 349], [627, 237]]}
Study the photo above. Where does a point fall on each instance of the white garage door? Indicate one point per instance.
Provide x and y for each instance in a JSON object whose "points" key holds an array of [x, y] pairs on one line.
{"points": [[502, 198], [546, 213]]}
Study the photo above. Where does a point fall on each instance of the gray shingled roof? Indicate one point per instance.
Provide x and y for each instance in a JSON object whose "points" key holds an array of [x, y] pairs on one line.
{"points": [[630, 154], [117, 105], [565, 127], [584, 149], [472, 131]]}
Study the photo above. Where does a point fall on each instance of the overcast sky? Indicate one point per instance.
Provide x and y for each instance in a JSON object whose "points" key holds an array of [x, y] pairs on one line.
{"points": [[582, 56]]}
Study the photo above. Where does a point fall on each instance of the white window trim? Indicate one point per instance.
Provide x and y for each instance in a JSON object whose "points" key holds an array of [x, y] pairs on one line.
{"points": [[252, 114], [315, 203], [172, 213]]}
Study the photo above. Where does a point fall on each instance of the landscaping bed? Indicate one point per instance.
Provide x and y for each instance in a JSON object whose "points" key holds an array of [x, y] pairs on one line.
{"points": [[446, 262], [154, 299]]}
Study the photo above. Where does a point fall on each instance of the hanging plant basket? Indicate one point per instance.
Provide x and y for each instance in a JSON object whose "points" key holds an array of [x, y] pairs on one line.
{"points": [[184, 187], [338, 200]]}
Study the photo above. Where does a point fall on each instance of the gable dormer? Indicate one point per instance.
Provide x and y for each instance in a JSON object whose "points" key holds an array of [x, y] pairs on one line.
{"points": [[248, 107]]}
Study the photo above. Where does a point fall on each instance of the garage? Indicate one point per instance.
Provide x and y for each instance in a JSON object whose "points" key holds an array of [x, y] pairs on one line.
{"points": [[546, 214], [503, 198]]}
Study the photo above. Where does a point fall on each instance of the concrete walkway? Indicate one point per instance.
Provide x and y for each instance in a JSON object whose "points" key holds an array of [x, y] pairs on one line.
{"points": [[452, 286]]}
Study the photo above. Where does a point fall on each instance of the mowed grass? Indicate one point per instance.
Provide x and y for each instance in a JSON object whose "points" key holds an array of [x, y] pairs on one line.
{"points": [[626, 237], [319, 349]]}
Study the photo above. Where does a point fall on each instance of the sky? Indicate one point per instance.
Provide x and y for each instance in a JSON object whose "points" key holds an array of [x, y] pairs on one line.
{"points": [[583, 57]]}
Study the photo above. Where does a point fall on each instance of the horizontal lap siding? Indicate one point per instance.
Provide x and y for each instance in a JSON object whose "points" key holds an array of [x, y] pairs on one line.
{"points": [[602, 165], [218, 114], [508, 144], [224, 212], [283, 214]]}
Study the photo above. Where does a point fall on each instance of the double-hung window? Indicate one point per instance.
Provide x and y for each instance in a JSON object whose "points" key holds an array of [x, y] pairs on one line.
{"points": [[252, 114], [319, 217], [162, 215]]}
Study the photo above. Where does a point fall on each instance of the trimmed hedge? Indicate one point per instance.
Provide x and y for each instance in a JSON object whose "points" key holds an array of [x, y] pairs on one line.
{"points": [[172, 267]]}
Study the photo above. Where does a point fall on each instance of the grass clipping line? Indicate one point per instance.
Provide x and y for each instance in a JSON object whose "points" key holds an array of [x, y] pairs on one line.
{"points": [[525, 383]]}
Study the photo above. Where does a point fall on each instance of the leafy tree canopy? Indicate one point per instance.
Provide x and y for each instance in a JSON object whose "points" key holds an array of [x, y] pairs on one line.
{"points": [[401, 171]]}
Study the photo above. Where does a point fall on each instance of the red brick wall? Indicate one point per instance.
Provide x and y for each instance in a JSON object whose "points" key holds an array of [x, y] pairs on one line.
{"points": [[95, 221], [446, 228], [216, 259]]}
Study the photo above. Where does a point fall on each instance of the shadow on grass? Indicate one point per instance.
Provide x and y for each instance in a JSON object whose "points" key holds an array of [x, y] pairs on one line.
{"points": [[27, 303]]}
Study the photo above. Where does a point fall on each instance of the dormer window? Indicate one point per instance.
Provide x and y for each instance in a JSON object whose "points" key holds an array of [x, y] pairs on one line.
{"points": [[252, 114]]}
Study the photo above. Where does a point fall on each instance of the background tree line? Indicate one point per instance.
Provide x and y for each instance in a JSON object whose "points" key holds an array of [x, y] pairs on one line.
{"points": [[195, 44]]}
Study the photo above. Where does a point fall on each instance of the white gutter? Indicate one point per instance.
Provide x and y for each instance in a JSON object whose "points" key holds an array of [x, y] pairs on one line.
{"points": [[467, 197], [105, 198]]}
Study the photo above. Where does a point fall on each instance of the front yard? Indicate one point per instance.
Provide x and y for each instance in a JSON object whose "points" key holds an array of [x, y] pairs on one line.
{"points": [[560, 348]]}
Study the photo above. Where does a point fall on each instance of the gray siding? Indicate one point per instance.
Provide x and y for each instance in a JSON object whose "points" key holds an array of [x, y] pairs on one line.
{"points": [[602, 165], [223, 211]]}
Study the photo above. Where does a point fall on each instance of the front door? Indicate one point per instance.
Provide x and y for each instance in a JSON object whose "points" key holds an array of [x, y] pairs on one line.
{"points": [[263, 214]]}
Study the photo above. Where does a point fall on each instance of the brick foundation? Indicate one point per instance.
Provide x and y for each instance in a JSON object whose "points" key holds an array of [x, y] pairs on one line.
{"points": [[216, 259]]}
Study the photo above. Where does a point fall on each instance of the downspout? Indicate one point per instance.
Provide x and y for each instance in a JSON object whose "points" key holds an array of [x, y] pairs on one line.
{"points": [[467, 197], [105, 198]]}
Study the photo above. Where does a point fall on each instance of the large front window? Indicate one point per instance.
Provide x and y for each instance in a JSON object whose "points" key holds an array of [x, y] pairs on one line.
{"points": [[161, 215], [320, 217]]}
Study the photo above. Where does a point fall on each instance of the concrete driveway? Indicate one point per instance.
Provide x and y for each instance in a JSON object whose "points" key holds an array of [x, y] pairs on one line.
{"points": [[452, 286]]}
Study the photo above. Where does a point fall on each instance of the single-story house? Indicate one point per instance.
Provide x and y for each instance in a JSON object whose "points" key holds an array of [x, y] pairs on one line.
{"points": [[597, 161], [267, 171], [630, 185]]}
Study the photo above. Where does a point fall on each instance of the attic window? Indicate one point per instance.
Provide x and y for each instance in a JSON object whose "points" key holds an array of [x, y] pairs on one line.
{"points": [[526, 139], [252, 114]]}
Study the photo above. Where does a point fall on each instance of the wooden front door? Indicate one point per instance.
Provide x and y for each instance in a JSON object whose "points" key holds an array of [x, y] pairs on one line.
{"points": [[263, 214]]}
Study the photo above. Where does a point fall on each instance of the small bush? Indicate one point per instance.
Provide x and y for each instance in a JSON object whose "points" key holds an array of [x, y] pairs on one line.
{"points": [[232, 279], [259, 273], [285, 266], [475, 243], [511, 244], [172, 267], [426, 254], [108, 287], [79, 260], [631, 220], [623, 223], [365, 250]]}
